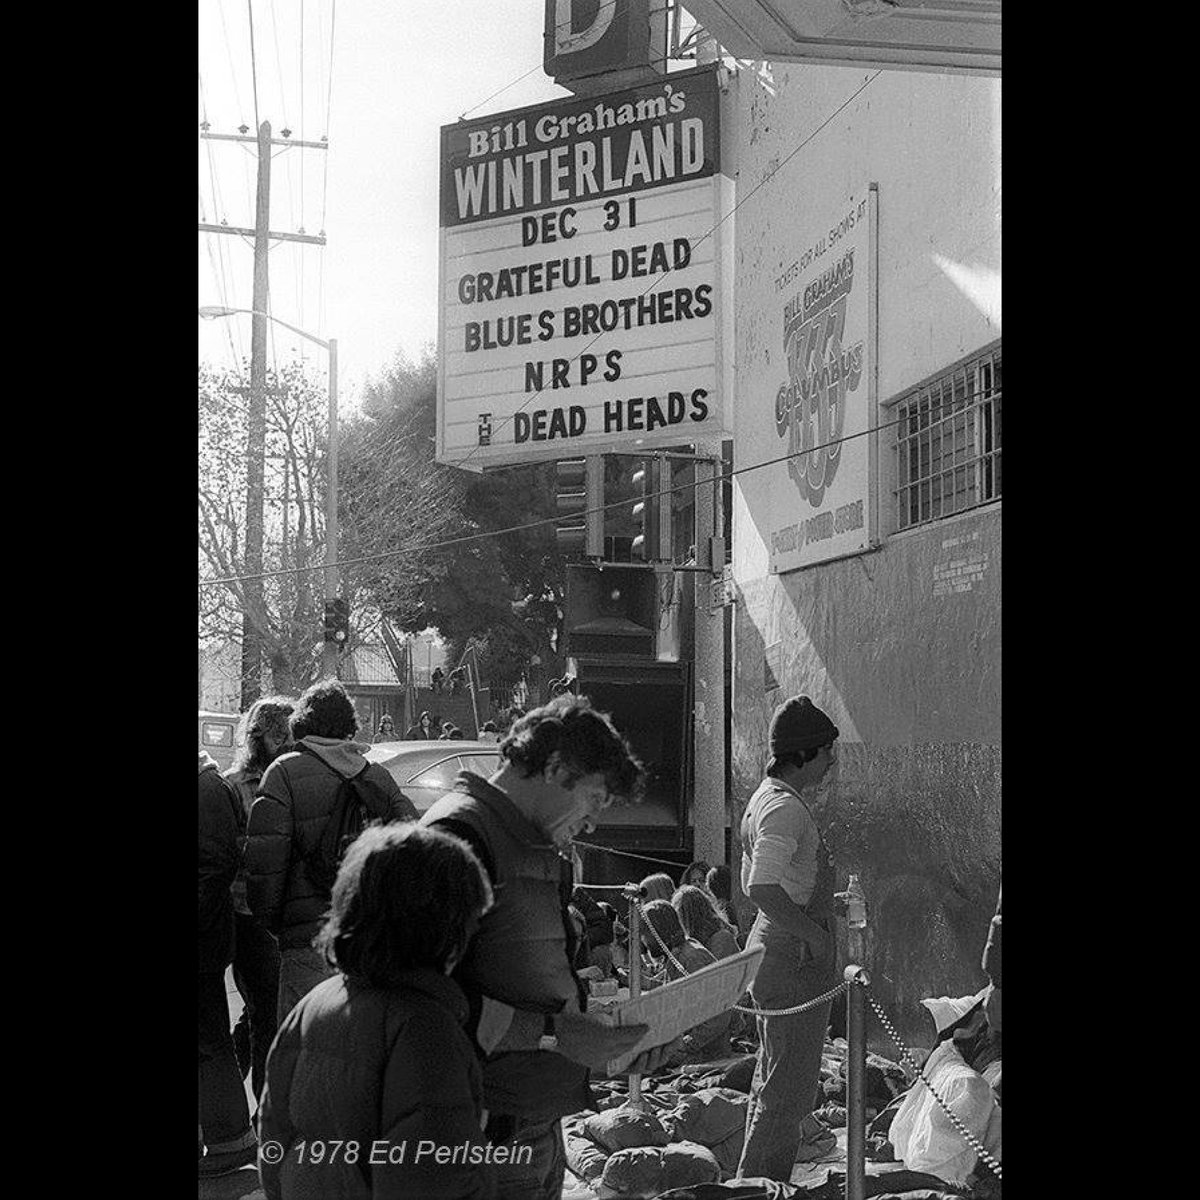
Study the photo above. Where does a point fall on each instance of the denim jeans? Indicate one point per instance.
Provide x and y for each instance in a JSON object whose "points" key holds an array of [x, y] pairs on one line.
{"points": [[256, 973], [788, 1070], [542, 1177], [300, 970], [224, 1114]]}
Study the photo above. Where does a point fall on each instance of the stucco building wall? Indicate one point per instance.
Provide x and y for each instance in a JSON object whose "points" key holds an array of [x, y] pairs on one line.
{"points": [[908, 667]]}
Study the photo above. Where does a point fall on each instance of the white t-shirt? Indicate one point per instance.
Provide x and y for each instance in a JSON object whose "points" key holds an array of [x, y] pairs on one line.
{"points": [[780, 840]]}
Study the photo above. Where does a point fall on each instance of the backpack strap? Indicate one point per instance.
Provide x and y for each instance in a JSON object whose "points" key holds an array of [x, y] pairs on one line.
{"points": [[375, 802]]}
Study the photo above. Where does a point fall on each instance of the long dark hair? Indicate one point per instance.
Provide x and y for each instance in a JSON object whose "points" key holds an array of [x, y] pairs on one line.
{"points": [[406, 896], [698, 913], [266, 716], [659, 886]]}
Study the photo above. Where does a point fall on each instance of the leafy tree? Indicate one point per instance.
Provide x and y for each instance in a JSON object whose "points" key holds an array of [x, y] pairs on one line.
{"points": [[502, 593], [290, 617]]}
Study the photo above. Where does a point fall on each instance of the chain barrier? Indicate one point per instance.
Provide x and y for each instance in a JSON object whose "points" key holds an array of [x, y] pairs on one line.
{"points": [[816, 1002], [906, 1056]]}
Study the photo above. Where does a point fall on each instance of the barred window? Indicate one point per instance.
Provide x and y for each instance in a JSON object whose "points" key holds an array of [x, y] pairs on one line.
{"points": [[948, 442]]}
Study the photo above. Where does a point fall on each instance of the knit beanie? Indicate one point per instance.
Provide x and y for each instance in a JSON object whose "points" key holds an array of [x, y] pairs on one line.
{"points": [[799, 724]]}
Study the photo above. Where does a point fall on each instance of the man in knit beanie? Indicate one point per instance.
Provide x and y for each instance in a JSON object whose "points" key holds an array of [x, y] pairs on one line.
{"points": [[787, 872]]}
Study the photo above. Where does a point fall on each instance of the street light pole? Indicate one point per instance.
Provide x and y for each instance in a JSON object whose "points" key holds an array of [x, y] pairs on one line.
{"points": [[329, 650]]}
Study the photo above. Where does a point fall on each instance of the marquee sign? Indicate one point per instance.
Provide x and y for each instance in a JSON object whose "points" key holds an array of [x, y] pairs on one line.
{"points": [[584, 301]]}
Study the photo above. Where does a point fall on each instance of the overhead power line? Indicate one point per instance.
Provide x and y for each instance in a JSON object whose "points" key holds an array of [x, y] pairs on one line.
{"points": [[416, 547], [603, 508], [616, 4], [253, 60]]}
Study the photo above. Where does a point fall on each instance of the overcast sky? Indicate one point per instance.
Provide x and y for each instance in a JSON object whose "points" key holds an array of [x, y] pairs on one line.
{"points": [[400, 70]]}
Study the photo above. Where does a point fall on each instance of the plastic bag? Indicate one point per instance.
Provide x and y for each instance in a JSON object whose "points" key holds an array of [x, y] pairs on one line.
{"points": [[921, 1133]]}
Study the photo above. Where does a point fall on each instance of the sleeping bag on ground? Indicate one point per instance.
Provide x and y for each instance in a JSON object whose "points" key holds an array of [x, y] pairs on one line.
{"points": [[648, 1170]]}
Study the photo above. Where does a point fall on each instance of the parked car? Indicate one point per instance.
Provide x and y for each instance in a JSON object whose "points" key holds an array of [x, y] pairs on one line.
{"points": [[425, 771], [216, 735]]}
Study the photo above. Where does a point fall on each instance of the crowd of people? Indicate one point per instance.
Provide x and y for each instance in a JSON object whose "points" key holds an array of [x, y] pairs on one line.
{"points": [[417, 987]]}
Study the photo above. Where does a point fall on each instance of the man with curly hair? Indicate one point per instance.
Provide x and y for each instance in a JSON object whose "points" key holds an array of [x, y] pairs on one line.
{"points": [[561, 765]]}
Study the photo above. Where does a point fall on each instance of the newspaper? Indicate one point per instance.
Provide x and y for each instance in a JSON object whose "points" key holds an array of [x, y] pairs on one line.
{"points": [[675, 1007]]}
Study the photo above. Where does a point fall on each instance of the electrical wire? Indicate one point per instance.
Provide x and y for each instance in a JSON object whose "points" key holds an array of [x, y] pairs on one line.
{"points": [[417, 547], [219, 281], [513, 83], [302, 112], [662, 862], [253, 63], [717, 476], [278, 62], [218, 262], [237, 91]]}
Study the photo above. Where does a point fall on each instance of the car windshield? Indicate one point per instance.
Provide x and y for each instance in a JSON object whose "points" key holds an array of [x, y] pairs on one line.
{"points": [[439, 775]]}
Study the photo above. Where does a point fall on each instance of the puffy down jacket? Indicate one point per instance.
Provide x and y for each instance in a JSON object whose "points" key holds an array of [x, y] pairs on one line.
{"points": [[295, 798]]}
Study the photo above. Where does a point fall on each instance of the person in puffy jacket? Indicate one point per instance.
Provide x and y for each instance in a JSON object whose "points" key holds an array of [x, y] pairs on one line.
{"points": [[296, 797], [263, 734], [373, 1066], [228, 1141]]}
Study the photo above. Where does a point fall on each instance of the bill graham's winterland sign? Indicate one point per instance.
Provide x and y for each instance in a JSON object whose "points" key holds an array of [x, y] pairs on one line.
{"points": [[584, 276]]}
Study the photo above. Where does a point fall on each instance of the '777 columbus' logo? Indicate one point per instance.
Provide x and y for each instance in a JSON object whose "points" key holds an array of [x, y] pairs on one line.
{"points": [[810, 409]]}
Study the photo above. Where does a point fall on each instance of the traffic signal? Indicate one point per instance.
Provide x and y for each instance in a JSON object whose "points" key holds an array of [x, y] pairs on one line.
{"points": [[647, 510], [337, 620], [579, 496], [570, 500]]}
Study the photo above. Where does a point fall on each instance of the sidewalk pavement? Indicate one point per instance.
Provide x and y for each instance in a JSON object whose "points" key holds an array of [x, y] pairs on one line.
{"points": [[243, 1184], [810, 1174]]}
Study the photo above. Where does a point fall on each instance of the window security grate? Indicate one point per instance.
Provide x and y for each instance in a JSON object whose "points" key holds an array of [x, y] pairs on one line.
{"points": [[948, 443]]}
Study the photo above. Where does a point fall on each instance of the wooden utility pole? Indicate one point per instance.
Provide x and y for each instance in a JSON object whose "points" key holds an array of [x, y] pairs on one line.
{"points": [[256, 440]]}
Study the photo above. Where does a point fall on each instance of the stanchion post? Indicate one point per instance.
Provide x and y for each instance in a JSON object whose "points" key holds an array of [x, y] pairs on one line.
{"points": [[633, 892], [856, 1083]]}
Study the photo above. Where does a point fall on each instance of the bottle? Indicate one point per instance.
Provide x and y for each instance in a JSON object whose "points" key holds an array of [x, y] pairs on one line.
{"points": [[856, 904]]}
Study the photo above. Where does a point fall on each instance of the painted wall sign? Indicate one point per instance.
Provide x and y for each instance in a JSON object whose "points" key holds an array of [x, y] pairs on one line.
{"points": [[590, 37], [583, 269], [824, 300]]}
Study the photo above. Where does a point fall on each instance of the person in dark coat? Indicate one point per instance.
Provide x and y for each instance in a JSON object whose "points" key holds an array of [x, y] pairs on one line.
{"points": [[264, 734], [561, 765], [375, 1061], [422, 731], [229, 1141], [296, 797]]}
